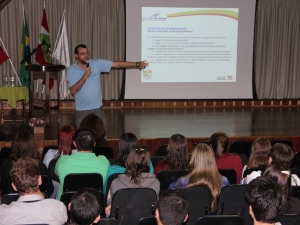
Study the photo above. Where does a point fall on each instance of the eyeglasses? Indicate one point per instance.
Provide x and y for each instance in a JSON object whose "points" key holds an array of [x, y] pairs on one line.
{"points": [[140, 149], [84, 53]]}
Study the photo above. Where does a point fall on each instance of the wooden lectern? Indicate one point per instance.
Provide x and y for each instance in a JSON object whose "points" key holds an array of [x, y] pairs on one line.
{"points": [[44, 72]]}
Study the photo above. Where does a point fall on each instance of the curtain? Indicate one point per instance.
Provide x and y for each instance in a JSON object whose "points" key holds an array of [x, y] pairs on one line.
{"points": [[277, 49], [99, 24]]}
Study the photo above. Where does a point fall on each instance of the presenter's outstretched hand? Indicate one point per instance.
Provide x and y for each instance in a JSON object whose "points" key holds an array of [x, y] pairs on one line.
{"points": [[142, 64]]}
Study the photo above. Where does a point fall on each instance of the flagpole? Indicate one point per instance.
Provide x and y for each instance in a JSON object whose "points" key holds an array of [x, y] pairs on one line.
{"points": [[10, 62]]}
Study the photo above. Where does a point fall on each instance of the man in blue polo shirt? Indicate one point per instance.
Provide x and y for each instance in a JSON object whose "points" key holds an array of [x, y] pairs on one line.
{"points": [[85, 84]]}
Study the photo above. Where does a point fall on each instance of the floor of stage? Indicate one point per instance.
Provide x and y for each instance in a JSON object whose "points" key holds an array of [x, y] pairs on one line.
{"points": [[192, 123]]}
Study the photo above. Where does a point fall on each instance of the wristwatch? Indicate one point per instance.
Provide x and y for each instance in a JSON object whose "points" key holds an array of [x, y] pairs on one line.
{"points": [[137, 64]]}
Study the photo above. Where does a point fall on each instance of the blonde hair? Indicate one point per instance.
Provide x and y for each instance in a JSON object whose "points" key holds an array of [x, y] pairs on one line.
{"points": [[260, 150], [204, 172]]}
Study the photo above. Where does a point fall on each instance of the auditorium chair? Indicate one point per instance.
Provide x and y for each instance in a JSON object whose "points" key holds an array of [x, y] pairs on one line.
{"points": [[77, 181], [296, 160], [131, 204], [107, 221], [8, 198], [166, 177], [110, 180], [230, 174], [105, 151], [231, 199], [217, 220], [241, 147], [156, 159], [4, 154], [289, 219], [149, 220], [199, 202]]}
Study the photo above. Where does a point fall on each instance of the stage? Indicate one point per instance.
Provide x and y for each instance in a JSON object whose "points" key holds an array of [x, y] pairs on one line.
{"points": [[154, 125]]}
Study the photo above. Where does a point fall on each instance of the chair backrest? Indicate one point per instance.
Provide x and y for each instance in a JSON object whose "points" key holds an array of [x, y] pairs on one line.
{"points": [[149, 220], [77, 181], [296, 191], [4, 154], [296, 160], [110, 180], [162, 150], [289, 219], [250, 170], [296, 170], [241, 147], [243, 158], [105, 151], [8, 198], [199, 201], [156, 159], [51, 168], [166, 177], [231, 199], [112, 161], [217, 220], [131, 204], [230, 174], [66, 199], [46, 149], [108, 221]]}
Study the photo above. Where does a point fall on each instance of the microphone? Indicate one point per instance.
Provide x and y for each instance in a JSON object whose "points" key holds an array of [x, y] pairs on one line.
{"points": [[87, 64]]}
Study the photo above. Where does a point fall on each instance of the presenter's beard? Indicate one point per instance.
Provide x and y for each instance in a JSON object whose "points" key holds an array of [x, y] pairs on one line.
{"points": [[83, 61]]}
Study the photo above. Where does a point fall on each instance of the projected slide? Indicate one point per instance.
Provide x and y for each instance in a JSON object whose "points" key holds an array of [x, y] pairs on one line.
{"points": [[189, 44]]}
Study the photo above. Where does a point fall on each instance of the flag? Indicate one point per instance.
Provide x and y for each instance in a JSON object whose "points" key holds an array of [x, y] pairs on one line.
{"points": [[61, 53], [25, 50], [3, 56], [43, 53]]}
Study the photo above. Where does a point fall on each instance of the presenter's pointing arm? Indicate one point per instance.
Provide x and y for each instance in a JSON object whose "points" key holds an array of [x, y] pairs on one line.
{"points": [[140, 65]]}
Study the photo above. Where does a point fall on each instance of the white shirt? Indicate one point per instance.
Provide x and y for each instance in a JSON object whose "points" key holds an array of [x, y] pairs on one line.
{"points": [[39, 211]]}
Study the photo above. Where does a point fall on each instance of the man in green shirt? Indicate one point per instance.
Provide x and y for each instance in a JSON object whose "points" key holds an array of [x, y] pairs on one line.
{"points": [[83, 161]]}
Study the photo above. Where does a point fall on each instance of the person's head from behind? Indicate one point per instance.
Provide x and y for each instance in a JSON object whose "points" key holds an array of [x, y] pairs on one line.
{"points": [[86, 206], [204, 172], [138, 161], [172, 208], [127, 142], [219, 142], [281, 154], [95, 123], [260, 150], [25, 176], [24, 146], [84, 139], [177, 157], [264, 199], [282, 178], [65, 141]]}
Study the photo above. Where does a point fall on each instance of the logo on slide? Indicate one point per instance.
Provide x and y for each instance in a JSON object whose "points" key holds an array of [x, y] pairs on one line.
{"points": [[155, 17], [147, 74]]}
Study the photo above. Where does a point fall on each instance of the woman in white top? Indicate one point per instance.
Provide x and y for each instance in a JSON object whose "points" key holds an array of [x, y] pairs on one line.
{"points": [[65, 144]]}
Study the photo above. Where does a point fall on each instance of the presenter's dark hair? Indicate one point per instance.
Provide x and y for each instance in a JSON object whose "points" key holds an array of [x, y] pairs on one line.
{"points": [[85, 139], [86, 206], [79, 46]]}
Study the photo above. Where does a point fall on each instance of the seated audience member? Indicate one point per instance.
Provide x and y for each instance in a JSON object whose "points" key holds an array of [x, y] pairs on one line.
{"points": [[82, 161], [282, 178], [65, 144], [280, 154], [86, 207], [31, 207], [24, 146], [204, 172], [264, 199], [137, 167], [95, 123], [259, 156], [219, 142], [127, 142], [172, 208], [177, 157]]}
